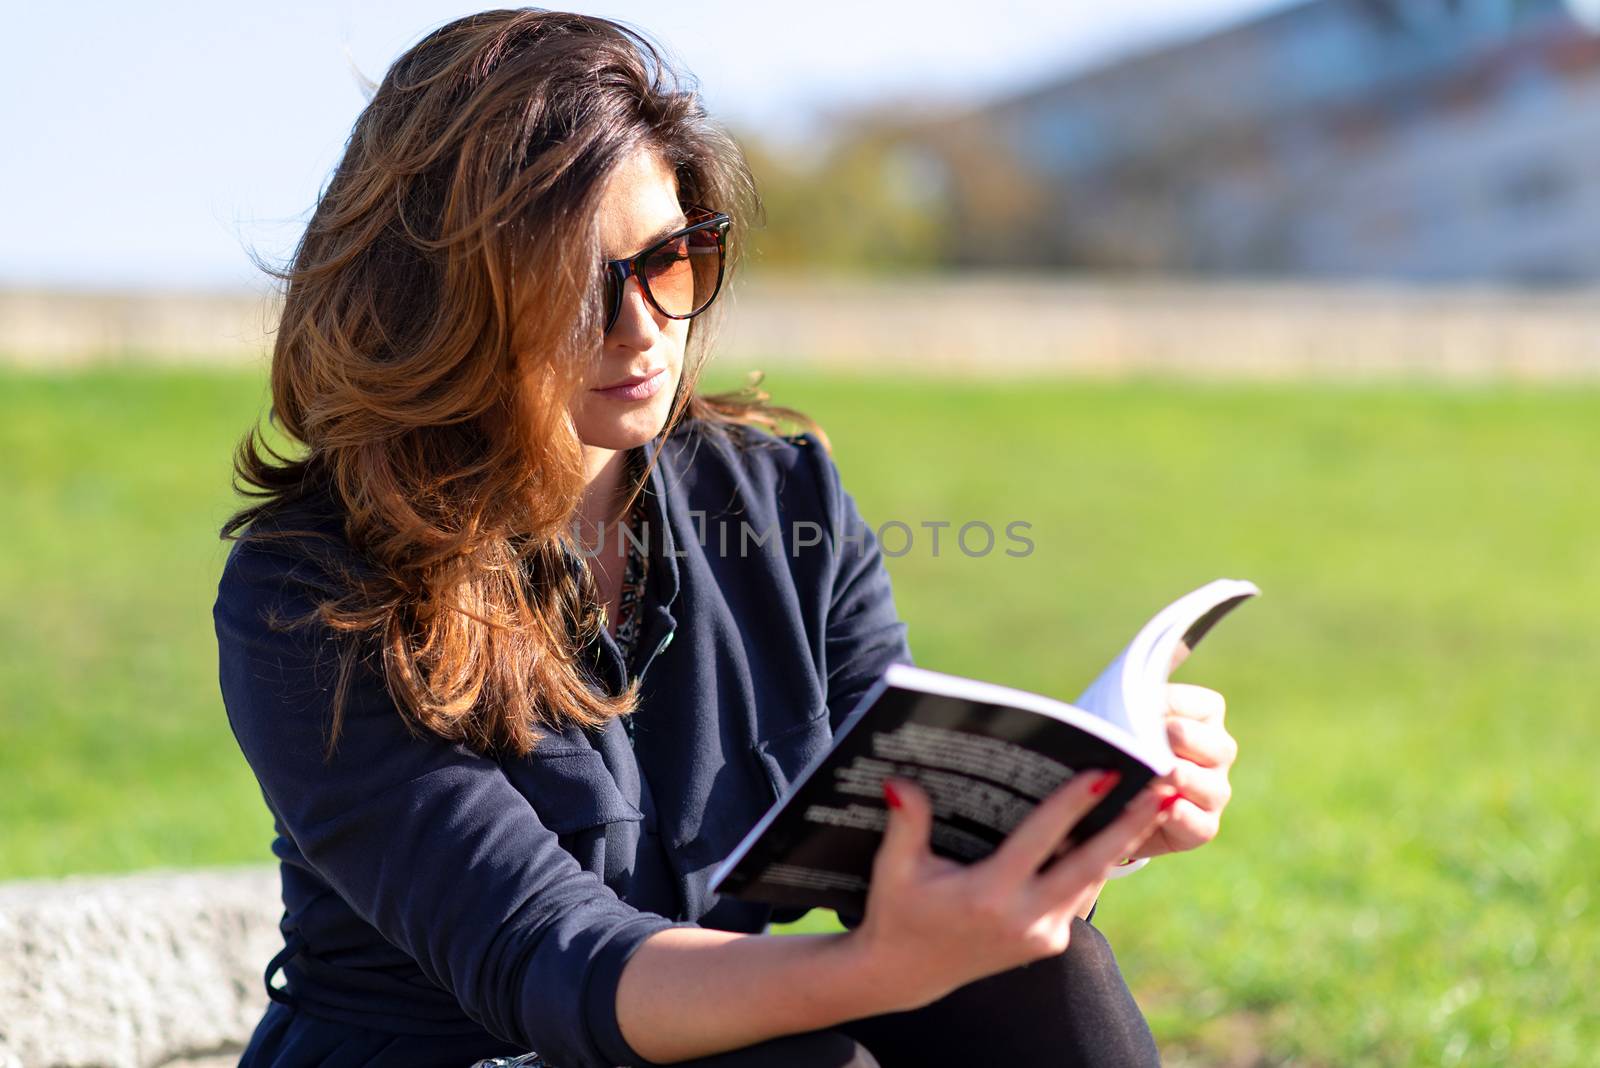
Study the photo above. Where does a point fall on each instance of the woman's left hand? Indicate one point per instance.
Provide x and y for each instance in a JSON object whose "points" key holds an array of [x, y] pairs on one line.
{"points": [[1205, 752]]}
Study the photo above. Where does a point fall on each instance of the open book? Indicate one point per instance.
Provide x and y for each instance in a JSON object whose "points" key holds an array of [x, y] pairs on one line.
{"points": [[986, 755]]}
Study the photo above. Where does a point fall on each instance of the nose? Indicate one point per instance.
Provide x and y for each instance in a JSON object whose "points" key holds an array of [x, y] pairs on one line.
{"points": [[637, 324]]}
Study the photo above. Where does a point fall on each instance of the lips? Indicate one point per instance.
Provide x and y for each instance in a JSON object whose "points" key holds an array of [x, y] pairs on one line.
{"points": [[633, 380]]}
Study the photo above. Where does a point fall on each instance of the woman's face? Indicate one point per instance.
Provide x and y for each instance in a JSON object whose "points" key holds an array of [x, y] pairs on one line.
{"points": [[638, 208]]}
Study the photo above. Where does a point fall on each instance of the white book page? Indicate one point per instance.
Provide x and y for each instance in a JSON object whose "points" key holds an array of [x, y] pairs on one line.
{"points": [[1131, 692]]}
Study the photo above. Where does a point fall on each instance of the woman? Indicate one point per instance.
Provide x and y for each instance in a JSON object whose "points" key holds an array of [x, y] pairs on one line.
{"points": [[435, 641]]}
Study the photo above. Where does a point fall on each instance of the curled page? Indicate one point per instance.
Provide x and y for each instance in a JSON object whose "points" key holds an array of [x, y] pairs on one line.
{"points": [[1131, 692]]}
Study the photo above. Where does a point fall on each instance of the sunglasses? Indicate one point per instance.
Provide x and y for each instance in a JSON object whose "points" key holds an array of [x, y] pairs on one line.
{"points": [[680, 275]]}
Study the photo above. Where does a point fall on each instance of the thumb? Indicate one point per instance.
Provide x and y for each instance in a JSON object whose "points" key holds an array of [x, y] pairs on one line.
{"points": [[905, 837]]}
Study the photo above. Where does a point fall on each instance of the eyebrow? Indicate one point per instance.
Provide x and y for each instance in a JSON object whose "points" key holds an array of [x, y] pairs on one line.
{"points": [[682, 221]]}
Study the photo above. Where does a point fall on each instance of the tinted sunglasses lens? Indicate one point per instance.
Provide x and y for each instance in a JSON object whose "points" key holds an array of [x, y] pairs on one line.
{"points": [[705, 261], [612, 296], [683, 272]]}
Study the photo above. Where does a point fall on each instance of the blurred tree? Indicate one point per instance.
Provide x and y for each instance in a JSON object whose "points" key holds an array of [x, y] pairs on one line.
{"points": [[865, 200], [995, 204]]}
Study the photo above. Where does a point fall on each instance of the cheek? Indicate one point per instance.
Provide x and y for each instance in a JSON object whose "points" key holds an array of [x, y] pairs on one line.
{"points": [[578, 409], [673, 347], [677, 333]]}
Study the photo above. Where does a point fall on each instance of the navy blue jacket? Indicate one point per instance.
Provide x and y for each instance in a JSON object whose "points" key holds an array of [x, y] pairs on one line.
{"points": [[429, 890]]}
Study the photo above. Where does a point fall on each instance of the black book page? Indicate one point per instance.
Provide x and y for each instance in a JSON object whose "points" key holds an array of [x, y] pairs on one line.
{"points": [[984, 766]]}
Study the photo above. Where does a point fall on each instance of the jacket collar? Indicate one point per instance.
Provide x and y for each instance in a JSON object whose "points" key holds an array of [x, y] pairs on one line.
{"points": [[657, 624], [663, 543]]}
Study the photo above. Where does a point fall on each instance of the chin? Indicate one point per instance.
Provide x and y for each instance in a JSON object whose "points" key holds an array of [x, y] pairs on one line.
{"points": [[623, 429]]}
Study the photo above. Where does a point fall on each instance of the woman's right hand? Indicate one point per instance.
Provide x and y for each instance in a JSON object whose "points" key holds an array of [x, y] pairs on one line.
{"points": [[933, 924]]}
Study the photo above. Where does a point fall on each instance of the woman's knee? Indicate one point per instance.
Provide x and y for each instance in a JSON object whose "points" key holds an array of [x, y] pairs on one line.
{"points": [[1089, 964], [1082, 1000], [1072, 1009], [814, 1049]]}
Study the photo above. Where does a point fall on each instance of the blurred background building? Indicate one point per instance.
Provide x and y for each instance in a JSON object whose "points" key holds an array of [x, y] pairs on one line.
{"points": [[1415, 139]]}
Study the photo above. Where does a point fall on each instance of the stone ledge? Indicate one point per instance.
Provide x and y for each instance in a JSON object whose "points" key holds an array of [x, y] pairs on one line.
{"points": [[135, 971]]}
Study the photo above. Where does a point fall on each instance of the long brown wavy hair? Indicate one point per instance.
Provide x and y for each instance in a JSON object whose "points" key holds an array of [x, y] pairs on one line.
{"points": [[438, 314]]}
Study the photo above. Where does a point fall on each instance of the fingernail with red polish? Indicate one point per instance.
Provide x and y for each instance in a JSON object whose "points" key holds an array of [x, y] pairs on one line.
{"points": [[1169, 801], [889, 796], [1104, 783]]}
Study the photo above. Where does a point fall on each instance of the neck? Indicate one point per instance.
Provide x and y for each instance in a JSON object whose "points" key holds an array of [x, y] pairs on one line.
{"points": [[604, 471]]}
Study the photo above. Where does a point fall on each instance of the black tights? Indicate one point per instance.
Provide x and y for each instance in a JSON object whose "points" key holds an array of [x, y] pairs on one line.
{"points": [[1069, 1010]]}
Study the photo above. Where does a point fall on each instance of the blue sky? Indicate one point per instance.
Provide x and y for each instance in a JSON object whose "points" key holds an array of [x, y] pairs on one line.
{"points": [[148, 145]]}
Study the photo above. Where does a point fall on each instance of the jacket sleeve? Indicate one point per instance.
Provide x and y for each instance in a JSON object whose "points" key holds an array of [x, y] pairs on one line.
{"points": [[426, 840], [864, 632]]}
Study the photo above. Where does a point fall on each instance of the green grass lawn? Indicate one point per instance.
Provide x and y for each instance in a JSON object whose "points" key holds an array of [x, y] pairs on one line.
{"points": [[1410, 869]]}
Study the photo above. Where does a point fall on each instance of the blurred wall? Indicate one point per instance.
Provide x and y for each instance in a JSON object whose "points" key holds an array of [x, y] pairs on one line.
{"points": [[56, 327], [986, 324]]}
